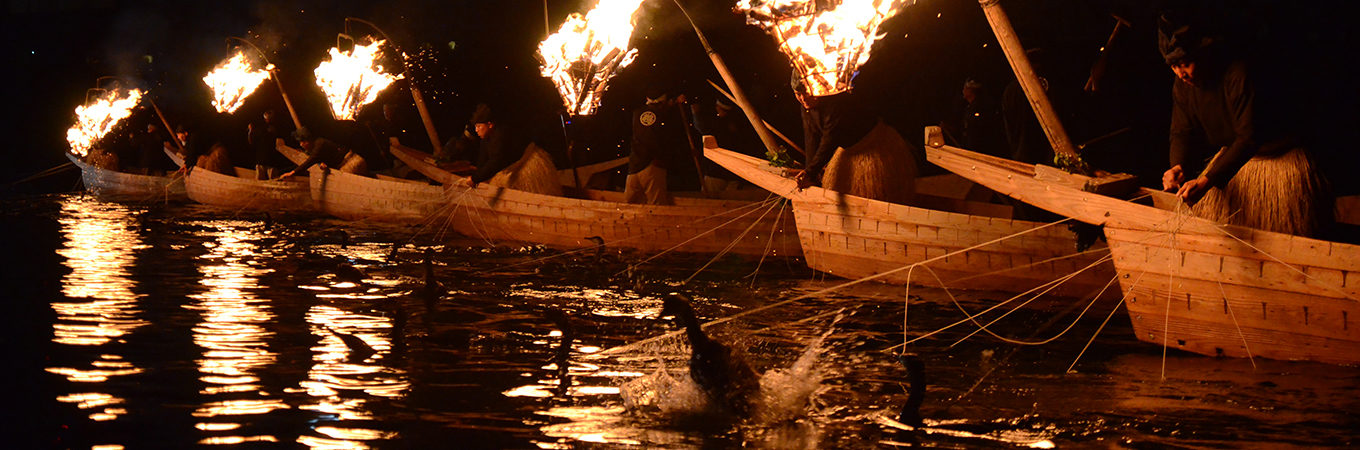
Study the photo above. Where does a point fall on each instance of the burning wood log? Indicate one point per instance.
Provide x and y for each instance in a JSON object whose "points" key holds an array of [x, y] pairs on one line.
{"points": [[97, 117], [825, 44]]}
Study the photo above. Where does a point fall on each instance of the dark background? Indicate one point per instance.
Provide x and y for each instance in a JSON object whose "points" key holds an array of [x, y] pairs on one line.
{"points": [[56, 49]]}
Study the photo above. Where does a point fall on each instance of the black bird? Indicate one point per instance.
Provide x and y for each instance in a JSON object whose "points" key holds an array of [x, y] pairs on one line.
{"points": [[916, 393], [562, 358], [395, 252], [726, 378], [268, 221], [358, 349], [347, 272], [432, 288], [599, 247]]}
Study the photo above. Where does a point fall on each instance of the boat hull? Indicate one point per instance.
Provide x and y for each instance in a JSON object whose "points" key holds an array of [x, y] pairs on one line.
{"points": [[226, 191], [1196, 285], [120, 186], [694, 225], [854, 237]]}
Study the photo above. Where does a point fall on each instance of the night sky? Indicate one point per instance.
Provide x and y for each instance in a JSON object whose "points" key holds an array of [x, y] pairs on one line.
{"points": [[56, 49]]}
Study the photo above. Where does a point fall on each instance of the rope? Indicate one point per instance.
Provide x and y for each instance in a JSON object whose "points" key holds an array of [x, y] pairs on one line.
{"points": [[819, 292]]}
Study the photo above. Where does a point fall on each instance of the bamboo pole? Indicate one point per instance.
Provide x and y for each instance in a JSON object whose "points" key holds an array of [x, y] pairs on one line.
{"points": [[1029, 81], [774, 130], [273, 75], [168, 130], [416, 96], [739, 96]]}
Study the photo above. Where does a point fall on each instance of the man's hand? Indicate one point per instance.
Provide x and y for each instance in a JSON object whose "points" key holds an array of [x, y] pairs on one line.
{"points": [[1192, 190], [1172, 179], [804, 180]]}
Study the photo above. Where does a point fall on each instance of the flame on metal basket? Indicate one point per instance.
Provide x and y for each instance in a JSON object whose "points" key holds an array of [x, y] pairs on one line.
{"points": [[826, 44], [233, 80], [587, 51], [98, 117], [352, 79]]}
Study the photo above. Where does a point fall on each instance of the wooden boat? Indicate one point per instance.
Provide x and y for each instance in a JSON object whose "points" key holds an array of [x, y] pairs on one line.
{"points": [[1193, 284], [243, 191], [381, 199], [855, 237], [122, 186], [740, 224]]}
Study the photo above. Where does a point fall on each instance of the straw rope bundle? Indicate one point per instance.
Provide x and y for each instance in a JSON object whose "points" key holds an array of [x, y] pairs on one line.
{"points": [[1284, 194], [880, 166], [534, 172], [355, 164], [216, 160]]}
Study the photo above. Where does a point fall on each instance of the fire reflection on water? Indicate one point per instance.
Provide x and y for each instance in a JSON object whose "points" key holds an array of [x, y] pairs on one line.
{"points": [[341, 369], [99, 305], [231, 333]]}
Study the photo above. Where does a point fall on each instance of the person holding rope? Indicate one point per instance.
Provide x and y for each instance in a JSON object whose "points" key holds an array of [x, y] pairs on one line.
{"points": [[508, 157], [852, 151], [319, 151], [1251, 170]]}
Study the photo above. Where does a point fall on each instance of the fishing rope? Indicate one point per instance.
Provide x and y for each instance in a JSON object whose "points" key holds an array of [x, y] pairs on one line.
{"points": [[733, 244], [819, 292], [759, 205], [769, 244], [1235, 324], [1106, 321], [982, 328]]}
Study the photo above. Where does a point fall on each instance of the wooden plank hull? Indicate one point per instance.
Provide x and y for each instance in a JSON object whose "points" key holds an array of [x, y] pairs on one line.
{"points": [[121, 186], [237, 193], [695, 225], [357, 197], [1197, 285], [855, 237]]}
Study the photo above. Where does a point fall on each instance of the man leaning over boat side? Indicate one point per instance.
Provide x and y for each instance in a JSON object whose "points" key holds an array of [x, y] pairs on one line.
{"points": [[319, 151], [1252, 170], [507, 157]]}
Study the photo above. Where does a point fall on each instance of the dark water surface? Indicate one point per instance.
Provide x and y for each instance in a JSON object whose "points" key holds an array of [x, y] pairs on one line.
{"points": [[174, 326]]}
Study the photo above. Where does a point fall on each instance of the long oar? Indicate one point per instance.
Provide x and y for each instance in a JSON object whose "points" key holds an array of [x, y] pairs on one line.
{"points": [[46, 173]]}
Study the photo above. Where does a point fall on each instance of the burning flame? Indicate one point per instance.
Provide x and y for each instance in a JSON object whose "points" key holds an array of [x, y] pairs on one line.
{"points": [[828, 46], [353, 79], [587, 51], [96, 119], [233, 80]]}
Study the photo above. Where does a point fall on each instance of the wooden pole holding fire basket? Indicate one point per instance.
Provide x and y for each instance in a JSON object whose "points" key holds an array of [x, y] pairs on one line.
{"points": [[1029, 81]]}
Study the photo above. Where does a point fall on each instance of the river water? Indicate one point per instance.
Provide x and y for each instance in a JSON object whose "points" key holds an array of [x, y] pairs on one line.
{"points": [[174, 326]]}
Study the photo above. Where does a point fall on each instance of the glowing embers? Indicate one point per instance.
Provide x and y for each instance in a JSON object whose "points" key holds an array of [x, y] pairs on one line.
{"points": [[825, 45], [98, 116], [353, 78], [587, 51]]}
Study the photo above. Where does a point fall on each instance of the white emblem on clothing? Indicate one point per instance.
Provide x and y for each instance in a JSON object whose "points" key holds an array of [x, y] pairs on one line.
{"points": [[648, 118]]}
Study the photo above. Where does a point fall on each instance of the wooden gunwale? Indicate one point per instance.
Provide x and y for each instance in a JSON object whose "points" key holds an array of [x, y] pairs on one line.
{"points": [[1200, 286], [696, 225], [856, 237]]}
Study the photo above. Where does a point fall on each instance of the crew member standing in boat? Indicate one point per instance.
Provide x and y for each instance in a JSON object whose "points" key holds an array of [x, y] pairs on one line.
{"points": [[850, 150], [1260, 177], [656, 139], [263, 138], [733, 132]]}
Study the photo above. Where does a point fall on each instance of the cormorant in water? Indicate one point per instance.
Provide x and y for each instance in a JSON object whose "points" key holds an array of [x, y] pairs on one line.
{"points": [[916, 378], [358, 349], [726, 378]]}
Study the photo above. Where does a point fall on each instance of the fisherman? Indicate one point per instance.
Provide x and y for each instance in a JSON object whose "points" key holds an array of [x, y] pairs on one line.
{"points": [[975, 120], [508, 157], [733, 132], [1251, 170], [150, 144], [263, 136], [319, 151], [656, 139], [850, 150]]}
